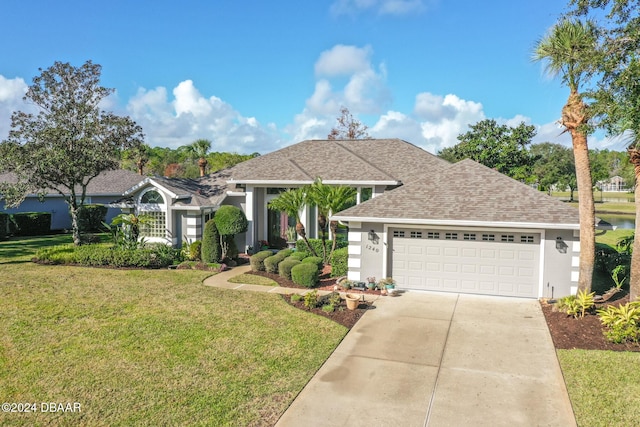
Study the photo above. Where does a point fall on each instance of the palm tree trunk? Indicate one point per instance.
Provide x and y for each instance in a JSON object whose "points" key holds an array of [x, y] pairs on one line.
{"points": [[634, 280], [586, 210]]}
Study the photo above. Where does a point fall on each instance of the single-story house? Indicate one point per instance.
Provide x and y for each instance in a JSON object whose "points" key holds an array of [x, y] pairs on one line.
{"points": [[103, 189], [425, 222]]}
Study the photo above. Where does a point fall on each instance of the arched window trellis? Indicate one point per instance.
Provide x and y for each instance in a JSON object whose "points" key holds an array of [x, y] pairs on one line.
{"points": [[152, 204]]}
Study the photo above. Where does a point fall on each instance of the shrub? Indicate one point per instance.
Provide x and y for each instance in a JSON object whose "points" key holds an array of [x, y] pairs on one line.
{"points": [[230, 220], [257, 260], [339, 262], [32, 223], [296, 297], [156, 256], [299, 255], [195, 249], [4, 225], [576, 305], [61, 254], [622, 322], [284, 268], [210, 250], [311, 299], [305, 274], [91, 218], [316, 244], [314, 260], [271, 263]]}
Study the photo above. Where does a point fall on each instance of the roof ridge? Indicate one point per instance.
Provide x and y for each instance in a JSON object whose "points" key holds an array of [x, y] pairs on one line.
{"points": [[338, 143], [295, 164]]}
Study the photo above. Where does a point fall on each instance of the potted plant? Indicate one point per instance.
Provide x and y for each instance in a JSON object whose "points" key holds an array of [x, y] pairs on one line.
{"points": [[292, 237], [387, 283], [371, 283]]}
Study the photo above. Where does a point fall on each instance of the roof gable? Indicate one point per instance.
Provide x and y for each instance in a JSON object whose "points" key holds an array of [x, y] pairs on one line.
{"points": [[467, 192]]}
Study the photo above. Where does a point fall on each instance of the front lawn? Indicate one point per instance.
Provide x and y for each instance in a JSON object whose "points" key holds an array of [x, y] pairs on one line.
{"points": [[604, 386], [148, 347]]}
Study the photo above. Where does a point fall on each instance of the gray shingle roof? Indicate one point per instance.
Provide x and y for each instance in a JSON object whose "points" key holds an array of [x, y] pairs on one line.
{"points": [[467, 192], [209, 190], [364, 160], [113, 182]]}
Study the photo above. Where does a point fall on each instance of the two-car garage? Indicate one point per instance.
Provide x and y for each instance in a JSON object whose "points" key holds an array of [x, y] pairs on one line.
{"points": [[467, 261]]}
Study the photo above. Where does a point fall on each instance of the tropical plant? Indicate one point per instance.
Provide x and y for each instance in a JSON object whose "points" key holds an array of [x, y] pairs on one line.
{"points": [[329, 200], [622, 322], [311, 299], [615, 275], [125, 229], [568, 50], [576, 305], [199, 150], [292, 201]]}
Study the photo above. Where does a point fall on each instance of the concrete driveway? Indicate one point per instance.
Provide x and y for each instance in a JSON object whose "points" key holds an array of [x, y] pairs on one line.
{"points": [[434, 359]]}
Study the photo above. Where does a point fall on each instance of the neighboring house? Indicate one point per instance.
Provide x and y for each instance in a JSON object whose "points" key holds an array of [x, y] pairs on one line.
{"points": [[103, 189], [615, 183], [425, 222]]}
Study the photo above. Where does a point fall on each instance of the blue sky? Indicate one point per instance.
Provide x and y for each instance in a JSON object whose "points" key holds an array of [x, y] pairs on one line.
{"points": [[256, 76]]}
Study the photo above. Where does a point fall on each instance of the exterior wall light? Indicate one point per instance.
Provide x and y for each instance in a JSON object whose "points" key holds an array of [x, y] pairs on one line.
{"points": [[561, 246]]}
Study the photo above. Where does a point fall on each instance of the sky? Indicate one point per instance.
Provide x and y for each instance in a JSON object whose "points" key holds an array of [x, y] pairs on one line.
{"points": [[255, 76]]}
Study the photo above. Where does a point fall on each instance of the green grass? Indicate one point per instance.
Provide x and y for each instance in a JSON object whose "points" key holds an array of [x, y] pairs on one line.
{"points": [[604, 386], [611, 237], [252, 279], [148, 347]]}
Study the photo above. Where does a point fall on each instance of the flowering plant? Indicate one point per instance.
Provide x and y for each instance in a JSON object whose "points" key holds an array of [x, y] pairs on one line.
{"points": [[263, 243]]}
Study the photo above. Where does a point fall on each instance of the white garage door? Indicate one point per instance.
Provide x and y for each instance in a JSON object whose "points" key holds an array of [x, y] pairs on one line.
{"points": [[490, 263]]}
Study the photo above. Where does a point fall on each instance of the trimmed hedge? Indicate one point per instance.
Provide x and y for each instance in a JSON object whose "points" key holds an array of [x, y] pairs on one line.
{"points": [[210, 249], [271, 263], [300, 255], [4, 225], [284, 268], [91, 217], [339, 262], [154, 256], [314, 260], [32, 223], [316, 244], [305, 274], [257, 260]]}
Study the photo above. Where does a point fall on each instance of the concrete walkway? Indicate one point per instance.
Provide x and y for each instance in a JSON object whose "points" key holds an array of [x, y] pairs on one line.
{"points": [[436, 359]]}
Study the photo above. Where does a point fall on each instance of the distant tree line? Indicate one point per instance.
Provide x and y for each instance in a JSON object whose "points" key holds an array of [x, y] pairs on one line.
{"points": [[189, 161], [549, 165]]}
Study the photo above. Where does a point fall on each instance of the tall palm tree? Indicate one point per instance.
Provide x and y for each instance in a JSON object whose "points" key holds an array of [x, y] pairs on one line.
{"points": [[291, 202], [567, 49], [199, 150]]}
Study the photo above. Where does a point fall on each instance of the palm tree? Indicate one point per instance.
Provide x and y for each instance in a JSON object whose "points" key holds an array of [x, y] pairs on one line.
{"points": [[291, 202], [329, 200], [340, 198], [199, 150], [566, 49]]}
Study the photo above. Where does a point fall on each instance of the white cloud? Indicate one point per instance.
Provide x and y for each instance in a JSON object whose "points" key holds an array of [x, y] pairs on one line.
{"points": [[343, 60], [11, 93], [381, 7], [190, 116]]}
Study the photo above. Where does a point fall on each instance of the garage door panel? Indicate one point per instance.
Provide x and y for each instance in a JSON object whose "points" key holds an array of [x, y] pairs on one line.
{"points": [[483, 267], [450, 252], [507, 255]]}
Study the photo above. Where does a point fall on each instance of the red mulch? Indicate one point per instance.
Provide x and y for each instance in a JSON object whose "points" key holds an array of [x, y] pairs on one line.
{"points": [[567, 333], [341, 315], [583, 333]]}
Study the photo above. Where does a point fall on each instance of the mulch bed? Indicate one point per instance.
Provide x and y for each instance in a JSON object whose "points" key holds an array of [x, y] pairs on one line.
{"points": [[341, 315], [585, 333], [567, 333]]}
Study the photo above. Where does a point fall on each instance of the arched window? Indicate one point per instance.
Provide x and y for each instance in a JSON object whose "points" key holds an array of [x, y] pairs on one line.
{"points": [[152, 196], [152, 204]]}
